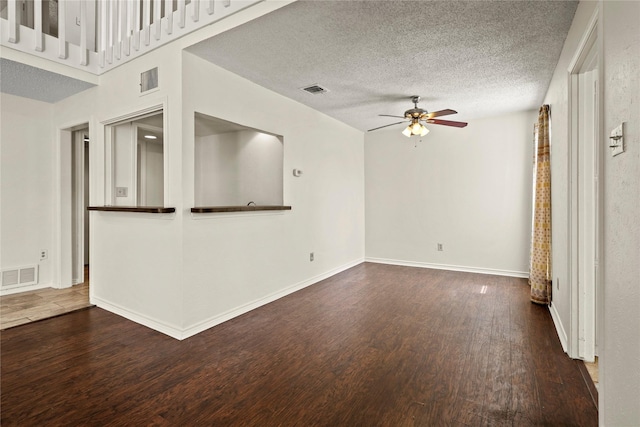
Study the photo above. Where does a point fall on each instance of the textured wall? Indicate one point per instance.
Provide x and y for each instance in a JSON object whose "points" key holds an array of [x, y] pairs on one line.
{"points": [[469, 189], [620, 366]]}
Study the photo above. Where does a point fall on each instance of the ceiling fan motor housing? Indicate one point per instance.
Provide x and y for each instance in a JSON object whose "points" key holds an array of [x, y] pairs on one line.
{"points": [[414, 113]]}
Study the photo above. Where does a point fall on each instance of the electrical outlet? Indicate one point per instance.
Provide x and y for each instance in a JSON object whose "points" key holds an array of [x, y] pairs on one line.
{"points": [[440, 248], [311, 256], [43, 254]]}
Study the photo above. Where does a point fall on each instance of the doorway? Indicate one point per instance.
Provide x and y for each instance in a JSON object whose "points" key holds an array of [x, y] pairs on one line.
{"points": [[79, 204], [73, 191]]}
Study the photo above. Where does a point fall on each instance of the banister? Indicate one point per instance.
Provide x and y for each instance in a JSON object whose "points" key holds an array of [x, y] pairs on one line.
{"points": [[109, 30]]}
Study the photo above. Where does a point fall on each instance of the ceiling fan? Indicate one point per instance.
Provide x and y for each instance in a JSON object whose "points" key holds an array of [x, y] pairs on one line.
{"points": [[417, 115]]}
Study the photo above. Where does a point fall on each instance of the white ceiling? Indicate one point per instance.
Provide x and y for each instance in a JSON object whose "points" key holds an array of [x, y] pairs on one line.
{"points": [[481, 58]]}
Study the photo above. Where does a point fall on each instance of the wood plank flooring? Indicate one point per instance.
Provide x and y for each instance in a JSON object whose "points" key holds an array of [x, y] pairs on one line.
{"points": [[31, 306], [376, 345]]}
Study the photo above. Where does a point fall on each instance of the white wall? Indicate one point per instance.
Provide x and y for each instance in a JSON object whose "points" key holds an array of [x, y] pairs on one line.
{"points": [[235, 168], [136, 259], [469, 189], [150, 173], [232, 262], [260, 158], [26, 184], [216, 174], [124, 158], [620, 362]]}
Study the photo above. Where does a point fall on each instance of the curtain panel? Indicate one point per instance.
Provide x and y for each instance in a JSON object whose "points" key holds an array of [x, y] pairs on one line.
{"points": [[540, 261]]}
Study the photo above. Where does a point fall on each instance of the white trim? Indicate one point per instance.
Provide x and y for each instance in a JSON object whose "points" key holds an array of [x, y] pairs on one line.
{"points": [[77, 197], [589, 40], [479, 270], [235, 312], [143, 110], [142, 319], [586, 42], [559, 327], [154, 106], [21, 289], [62, 276]]}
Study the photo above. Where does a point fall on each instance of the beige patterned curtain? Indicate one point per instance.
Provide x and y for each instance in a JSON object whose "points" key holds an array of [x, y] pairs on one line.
{"points": [[540, 264]]}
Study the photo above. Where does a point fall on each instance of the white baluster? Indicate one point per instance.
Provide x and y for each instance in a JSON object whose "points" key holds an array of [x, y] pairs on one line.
{"points": [[146, 23], [126, 27], [157, 17], [168, 13], [210, 6], [117, 29], [12, 16], [84, 54], [37, 24], [62, 30], [136, 24], [109, 27], [102, 42], [181, 13], [195, 10], [126, 37]]}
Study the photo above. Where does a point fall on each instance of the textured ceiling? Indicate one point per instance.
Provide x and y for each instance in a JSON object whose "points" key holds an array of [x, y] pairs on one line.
{"points": [[24, 80], [481, 58]]}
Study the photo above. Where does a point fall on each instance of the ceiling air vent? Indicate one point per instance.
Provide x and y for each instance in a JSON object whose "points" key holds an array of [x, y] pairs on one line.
{"points": [[314, 89]]}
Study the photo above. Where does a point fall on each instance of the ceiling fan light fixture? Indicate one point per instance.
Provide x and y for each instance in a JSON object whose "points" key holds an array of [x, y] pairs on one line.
{"points": [[415, 128]]}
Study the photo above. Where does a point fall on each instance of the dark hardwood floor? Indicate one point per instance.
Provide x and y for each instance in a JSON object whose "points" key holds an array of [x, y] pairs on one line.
{"points": [[376, 345]]}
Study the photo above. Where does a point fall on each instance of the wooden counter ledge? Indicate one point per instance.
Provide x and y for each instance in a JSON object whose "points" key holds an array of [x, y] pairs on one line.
{"points": [[137, 209], [252, 208]]}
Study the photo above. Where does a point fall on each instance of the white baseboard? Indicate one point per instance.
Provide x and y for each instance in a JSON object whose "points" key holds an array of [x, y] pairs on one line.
{"points": [[149, 322], [27, 288], [180, 334], [559, 328], [235, 312], [510, 273]]}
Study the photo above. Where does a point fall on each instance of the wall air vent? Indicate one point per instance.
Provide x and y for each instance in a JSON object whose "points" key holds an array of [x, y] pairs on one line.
{"points": [[21, 276], [149, 80], [314, 89]]}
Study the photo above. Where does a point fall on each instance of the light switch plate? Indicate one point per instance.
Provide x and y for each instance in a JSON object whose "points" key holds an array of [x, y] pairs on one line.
{"points": [[616, 140]]}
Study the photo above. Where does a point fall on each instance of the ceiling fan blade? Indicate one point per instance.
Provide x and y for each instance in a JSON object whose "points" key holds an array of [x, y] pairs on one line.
{"points": [[392, 124], [388, 115], [446, 123], [440, 113]]}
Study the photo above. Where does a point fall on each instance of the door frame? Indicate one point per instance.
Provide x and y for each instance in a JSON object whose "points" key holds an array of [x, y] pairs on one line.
{"points": [[584, 313], [63, 195], [79, 203]]}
